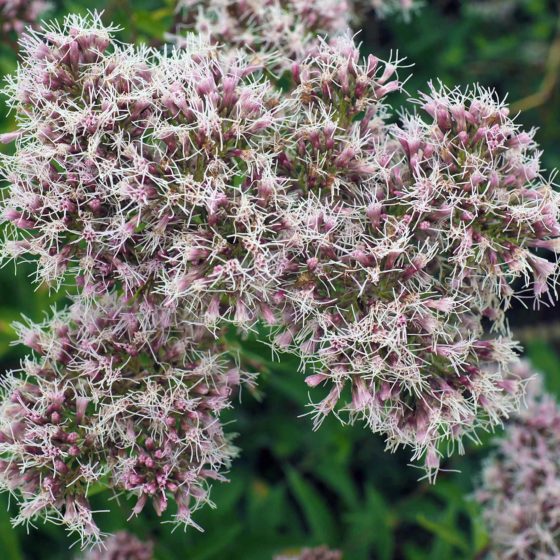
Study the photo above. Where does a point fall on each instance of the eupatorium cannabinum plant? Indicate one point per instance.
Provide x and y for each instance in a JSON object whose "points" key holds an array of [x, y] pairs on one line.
{"points": [[183, 192]]}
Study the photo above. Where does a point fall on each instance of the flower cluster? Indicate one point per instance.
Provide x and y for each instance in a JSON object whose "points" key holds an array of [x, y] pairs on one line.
{"points": [[318, 553], [122, 546], [159, 175], [520, 491], [376, 250], [185, 192], [467, 161], [379, 295], [118, 396], [284, 28], [16, 15]]}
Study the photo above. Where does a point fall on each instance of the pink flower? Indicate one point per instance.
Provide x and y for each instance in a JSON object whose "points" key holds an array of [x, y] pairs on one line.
{"points": [[520, 489], [190, 195], [122, 395]]}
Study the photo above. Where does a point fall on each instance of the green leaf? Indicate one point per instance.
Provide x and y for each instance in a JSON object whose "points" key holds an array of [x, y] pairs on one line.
{"points": [[445, 532], [479, 533], [9, 542], [153, 23], [371, 527], [316, 511], [546, 360], [339, 479], [217, 543]]}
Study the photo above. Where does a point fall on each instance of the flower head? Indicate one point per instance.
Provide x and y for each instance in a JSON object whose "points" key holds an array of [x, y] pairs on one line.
{"points": [[371, 298], [284, 29], [143, 170], [185, 181], [520, 489], [473, 176], [120, 396]]}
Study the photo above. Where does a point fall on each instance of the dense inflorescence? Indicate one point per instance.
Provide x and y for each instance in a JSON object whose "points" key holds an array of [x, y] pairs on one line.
{"points": [[16, 15], [283, 28], [376, 250], [183, 192], [470, 163], [318, 553], [287, 29], [120, 397], [122, 546], [520, 491], [383, 292], [159, 177]]}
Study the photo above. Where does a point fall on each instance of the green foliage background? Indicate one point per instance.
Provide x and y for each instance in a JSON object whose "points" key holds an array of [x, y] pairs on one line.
{"points": [[291, 487]]}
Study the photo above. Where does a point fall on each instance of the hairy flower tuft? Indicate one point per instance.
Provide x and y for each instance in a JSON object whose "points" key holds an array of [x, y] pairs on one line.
{"points": [[185, 193], [520, 490], [120, 396]]}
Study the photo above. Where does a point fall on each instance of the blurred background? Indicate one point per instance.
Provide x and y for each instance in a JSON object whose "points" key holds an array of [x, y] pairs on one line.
{"points": [[291, 487]]}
